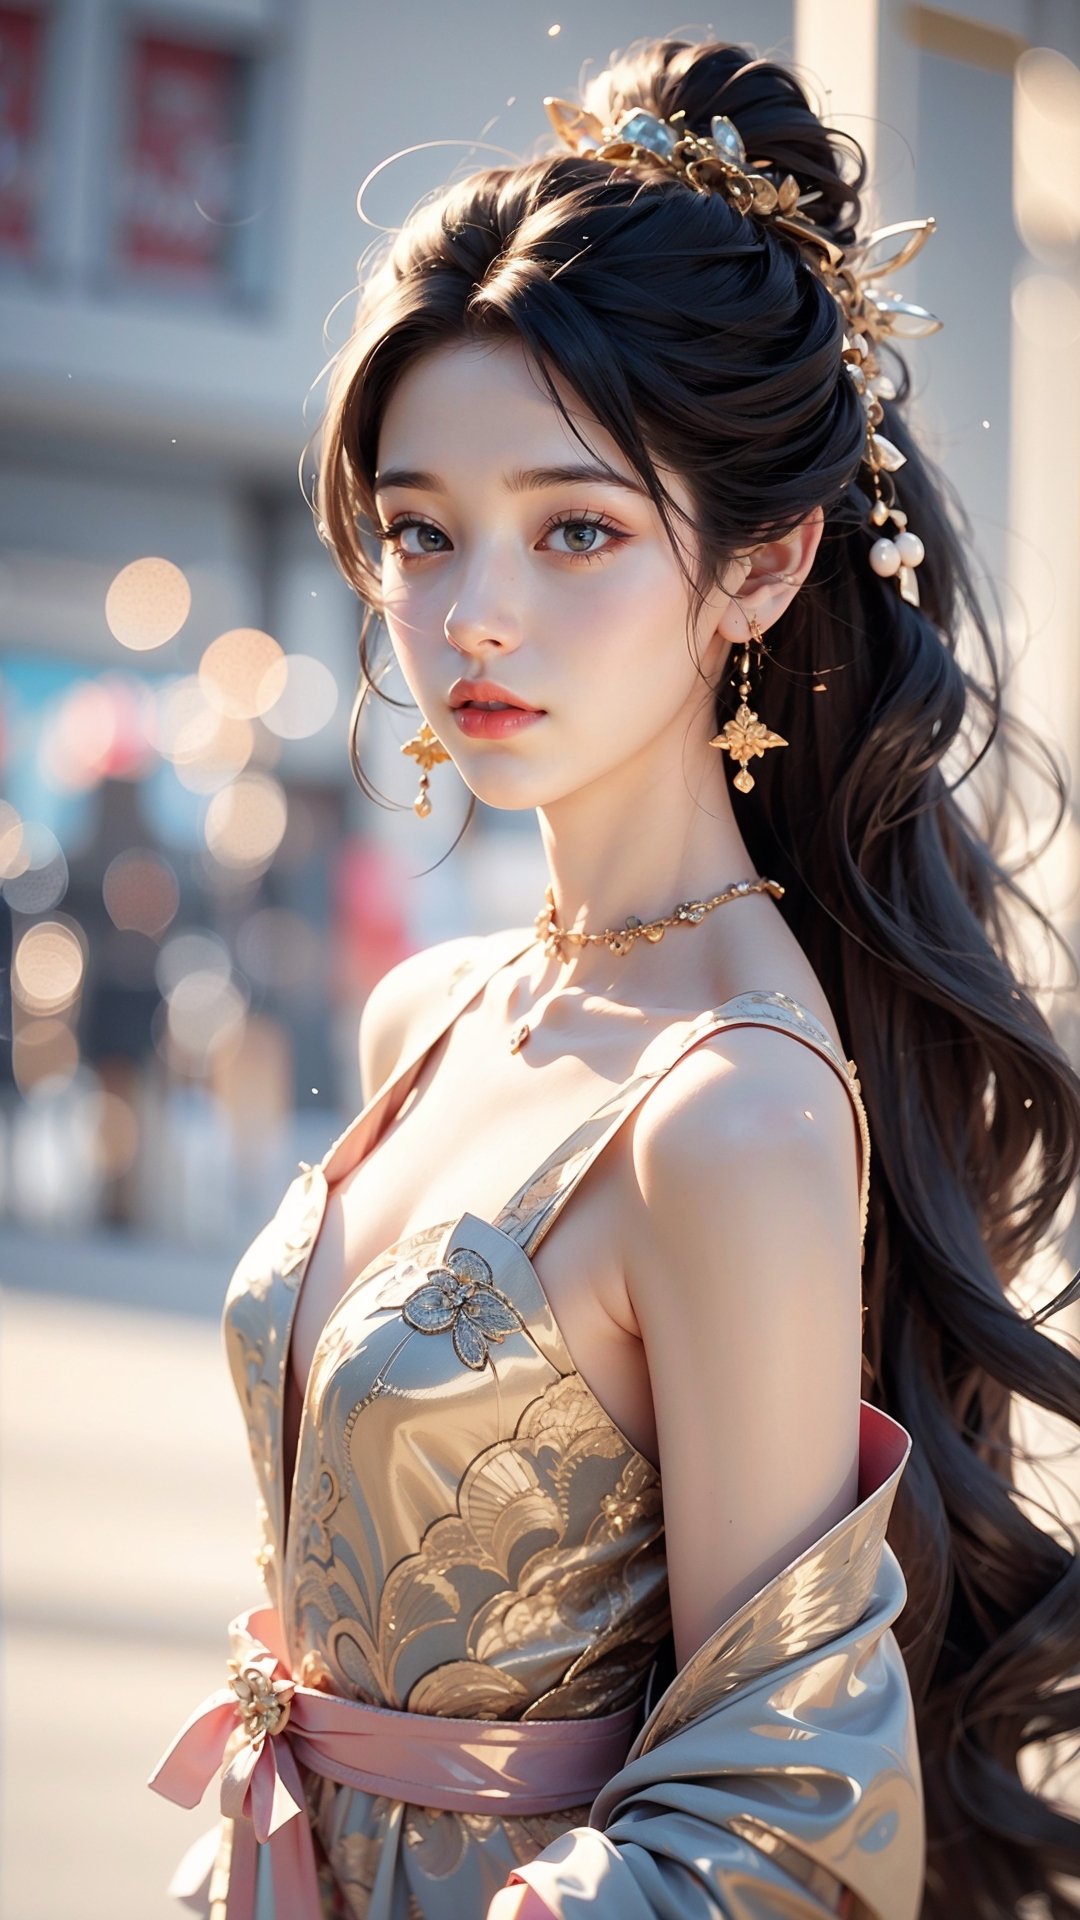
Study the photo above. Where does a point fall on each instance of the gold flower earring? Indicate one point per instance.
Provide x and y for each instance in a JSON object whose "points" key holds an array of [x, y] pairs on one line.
{"points": [[746, 735], [428, 751]]}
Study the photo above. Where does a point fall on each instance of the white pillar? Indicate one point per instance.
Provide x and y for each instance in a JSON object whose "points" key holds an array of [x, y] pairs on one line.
{"points": [[1044, 503], [836, 60]]}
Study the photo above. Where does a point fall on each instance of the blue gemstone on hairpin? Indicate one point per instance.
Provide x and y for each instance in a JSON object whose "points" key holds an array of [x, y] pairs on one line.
{"points": [[646, 130], [728, 138]]}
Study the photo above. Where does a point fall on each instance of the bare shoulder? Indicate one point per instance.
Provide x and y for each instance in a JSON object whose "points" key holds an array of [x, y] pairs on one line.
{"points": [[750, 1088], [743, 1216], [404, 1000]]}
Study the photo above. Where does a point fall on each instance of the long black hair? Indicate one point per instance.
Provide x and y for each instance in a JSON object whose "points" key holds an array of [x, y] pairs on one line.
{"points": [[705, 345]]}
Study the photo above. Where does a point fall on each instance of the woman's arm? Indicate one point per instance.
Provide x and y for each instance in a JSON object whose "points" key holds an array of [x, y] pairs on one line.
{"points": [[744, 1273]]}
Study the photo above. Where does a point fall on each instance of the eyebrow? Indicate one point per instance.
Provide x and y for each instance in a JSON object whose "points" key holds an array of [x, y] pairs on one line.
{"points": [[522, 480]]}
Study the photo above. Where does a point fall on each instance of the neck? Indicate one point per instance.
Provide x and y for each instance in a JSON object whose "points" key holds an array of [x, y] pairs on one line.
{"points": [[639, 841]]}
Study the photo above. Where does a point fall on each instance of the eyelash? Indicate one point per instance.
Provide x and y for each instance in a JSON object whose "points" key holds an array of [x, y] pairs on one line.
{"points": [[386, 535]]}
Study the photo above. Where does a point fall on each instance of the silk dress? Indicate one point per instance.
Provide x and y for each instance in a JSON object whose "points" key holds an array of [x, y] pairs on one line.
{"points": [[468, 1535]]}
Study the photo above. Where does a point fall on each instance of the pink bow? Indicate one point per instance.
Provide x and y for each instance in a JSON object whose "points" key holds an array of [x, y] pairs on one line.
{"points": [[241, 1729], [263, 1722]]}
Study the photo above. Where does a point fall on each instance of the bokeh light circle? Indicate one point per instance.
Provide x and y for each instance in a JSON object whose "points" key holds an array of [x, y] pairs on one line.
{"points": [[141, 892], [147, 604], [43, 881], [183, 721], [242, 673], [206, 1013], [245, 823], [307, 701], [206, 747], [48, 967], [225, 752], [196, 951]]}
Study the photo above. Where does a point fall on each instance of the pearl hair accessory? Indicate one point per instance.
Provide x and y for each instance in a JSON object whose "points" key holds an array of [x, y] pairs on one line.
{"points": [[717, 163]]}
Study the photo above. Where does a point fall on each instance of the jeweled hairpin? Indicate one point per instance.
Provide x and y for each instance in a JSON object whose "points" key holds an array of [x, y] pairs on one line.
{"points": [[717, 163]]}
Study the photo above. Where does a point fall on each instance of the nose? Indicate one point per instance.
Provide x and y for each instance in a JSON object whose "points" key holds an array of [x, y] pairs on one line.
{"points": [[469, 634], [481, 619]]}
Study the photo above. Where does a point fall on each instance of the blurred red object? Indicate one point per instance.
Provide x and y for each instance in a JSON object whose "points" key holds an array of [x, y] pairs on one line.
{"points": [[370, 932], [22, 60]]}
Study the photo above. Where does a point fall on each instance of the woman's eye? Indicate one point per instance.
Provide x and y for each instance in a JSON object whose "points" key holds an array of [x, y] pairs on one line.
{"points": [[587, 539], [394, 537]]}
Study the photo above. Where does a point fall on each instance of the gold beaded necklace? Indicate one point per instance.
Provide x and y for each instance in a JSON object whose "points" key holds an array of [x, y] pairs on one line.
{"points": [[689, 913]]}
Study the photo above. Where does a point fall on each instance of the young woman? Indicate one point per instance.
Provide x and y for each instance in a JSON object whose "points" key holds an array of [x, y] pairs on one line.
{"points": [[612, 455]]}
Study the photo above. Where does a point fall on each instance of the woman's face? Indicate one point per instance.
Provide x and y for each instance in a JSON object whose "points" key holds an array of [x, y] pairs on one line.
{"points": [[512, 558]]}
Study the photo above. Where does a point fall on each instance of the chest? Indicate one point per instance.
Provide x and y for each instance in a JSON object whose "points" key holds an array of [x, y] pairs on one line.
{"points": [[475, 1125]]}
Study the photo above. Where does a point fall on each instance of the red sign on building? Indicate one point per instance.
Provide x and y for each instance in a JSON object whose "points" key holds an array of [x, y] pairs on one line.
{"points": [[22, 60], [179, 173]]}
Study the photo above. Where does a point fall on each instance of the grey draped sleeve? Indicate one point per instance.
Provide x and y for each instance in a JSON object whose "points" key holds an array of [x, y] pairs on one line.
{"points": [[778, 1776]]}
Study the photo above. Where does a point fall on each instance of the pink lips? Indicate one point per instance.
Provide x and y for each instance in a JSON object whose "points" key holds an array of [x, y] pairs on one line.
{"points": [[480, 724], [464, 692]]}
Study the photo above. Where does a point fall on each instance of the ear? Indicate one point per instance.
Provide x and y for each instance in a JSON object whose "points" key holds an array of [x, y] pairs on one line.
{"points": [[763, 580]]}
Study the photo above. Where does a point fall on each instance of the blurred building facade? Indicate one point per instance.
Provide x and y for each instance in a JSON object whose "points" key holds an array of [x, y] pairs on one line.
{"points": [[209, 894]]}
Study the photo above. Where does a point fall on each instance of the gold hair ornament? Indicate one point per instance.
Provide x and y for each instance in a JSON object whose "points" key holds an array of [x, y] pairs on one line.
{"points": [[717, 163]]}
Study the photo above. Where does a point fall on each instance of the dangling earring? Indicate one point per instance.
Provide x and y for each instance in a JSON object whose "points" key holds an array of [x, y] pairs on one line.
{"points": [[428, 751], [746, 735]]}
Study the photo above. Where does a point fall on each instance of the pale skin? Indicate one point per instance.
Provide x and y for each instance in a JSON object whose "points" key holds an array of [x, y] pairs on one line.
{"points": [[706, 1278]]}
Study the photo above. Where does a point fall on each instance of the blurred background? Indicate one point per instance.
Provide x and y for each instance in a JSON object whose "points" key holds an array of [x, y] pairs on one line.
{"points": [[195, 897]]}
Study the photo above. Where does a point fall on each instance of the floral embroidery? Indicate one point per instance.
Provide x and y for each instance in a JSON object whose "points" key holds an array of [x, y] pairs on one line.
{"points": [[461, 1295], [522, 1599]]}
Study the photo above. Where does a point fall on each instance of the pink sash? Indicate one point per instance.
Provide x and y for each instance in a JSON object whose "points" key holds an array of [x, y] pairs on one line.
{"points": [[258, 1726]]}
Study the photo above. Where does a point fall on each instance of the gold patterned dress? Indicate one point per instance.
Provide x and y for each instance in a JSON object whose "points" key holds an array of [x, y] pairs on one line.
{"points": [[468, 1533]]}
